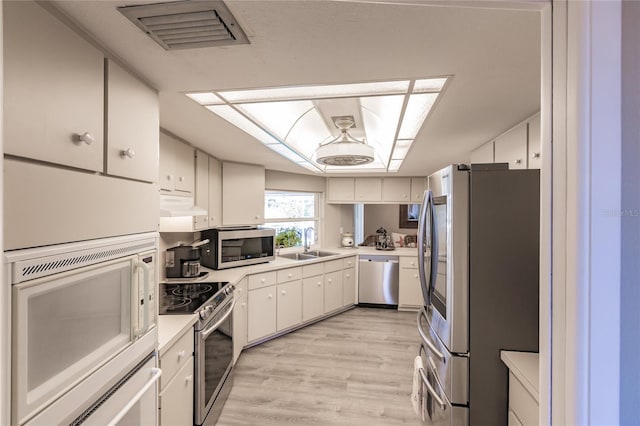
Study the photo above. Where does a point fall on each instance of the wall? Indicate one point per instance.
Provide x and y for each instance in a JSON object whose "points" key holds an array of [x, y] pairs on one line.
{"points": [[385, 215]]}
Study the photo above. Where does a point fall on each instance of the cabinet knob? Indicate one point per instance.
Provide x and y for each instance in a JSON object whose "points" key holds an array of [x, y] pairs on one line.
{"points": [[86, 137], [415, 276], [243, 304], [289, 275], [263, 280], [213, 218], [181, 355], [404, 195], [348, 275], [535, 155], [330, 280], [284, 292], [518, 161], [181, 178], [127, 153], [169, 177], [270, 296], [319, 283], [257, 216], [188, 379]]}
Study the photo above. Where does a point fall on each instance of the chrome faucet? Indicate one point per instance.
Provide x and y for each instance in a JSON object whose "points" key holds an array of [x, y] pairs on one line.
{"points": [[307, 241]]}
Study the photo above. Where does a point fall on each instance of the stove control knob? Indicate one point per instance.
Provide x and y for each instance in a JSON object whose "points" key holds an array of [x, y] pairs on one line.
{"points": [[203, 314]]}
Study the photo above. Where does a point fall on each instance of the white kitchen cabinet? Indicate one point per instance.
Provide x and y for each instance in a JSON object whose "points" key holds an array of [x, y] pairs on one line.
{"points": [[176, 382], [176, 399], [511, 147], [340, 190], [368, 189], [262, 313], [289, 304], [133, 127], [312, 297], [201, 190], [177, 166], [524, 368], [240, 319], [349, 287], [53, 90], [534, 154], [418, 185], [242, 194], [396, 190], [215, 193], [483, 154], [409, 291], [333, 292]]}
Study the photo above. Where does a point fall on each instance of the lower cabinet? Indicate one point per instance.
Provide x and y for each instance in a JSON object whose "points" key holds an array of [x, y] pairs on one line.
{"points": [[240, 319], [262, 313], [312, 297], [176, 382], [349, 286], [409, 292], [289, 305], [332, 291]]}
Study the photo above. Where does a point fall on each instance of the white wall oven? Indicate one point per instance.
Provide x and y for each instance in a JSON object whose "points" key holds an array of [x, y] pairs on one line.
{"points": [[83, 332]]}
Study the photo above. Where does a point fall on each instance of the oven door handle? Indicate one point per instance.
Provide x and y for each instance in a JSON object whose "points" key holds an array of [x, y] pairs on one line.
{"points": [[145, 270], [425, 338], [205, 333], [156, 373]]}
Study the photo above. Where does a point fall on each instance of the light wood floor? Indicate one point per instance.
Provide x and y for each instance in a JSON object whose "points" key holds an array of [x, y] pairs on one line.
{"points": [[352, 369]]}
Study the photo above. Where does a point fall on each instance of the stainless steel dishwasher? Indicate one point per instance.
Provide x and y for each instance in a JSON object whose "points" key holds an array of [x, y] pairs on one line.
{"points": [[378, 280]]}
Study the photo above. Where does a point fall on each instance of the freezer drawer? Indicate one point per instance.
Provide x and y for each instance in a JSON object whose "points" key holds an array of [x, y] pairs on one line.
{"points": [[378, 279]]}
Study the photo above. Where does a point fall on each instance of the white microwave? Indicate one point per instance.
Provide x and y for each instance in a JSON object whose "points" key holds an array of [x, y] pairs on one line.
{"points": [[75, 307]]}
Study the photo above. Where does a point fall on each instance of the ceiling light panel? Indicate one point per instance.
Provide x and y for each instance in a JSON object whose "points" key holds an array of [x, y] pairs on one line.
{"points": [[429, 85], [205, 98], [278, 117], [380, 115], [417, 110], [394, 165], [243, 123], [306, 133]]}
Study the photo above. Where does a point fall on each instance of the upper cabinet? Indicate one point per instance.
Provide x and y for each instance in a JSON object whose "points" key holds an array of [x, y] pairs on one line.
{"points": [[53, 90], [340, 190], [215, 193], [132, 126], [202, 190], [368, 189], [511, 147], [396, 190], [483, 154], [177, 166], [418, 186], [242, 194]]}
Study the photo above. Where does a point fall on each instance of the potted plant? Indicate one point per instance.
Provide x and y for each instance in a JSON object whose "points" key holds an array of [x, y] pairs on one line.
{"points": [[288, 237]]}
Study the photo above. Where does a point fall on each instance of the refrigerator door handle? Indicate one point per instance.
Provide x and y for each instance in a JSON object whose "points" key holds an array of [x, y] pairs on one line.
{"points": [[422, 223], [432, 391], [434, 249], [425, 338]]}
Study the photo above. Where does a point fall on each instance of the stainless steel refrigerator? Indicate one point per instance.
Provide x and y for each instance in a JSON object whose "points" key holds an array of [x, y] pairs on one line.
{"points": [[478, 247]]}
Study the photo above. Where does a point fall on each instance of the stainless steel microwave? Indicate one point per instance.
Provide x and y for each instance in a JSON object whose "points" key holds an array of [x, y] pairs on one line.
{"points": [[229, 248]]}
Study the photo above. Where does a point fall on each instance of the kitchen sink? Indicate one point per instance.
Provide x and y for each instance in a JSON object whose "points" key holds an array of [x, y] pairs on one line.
{"points": [[313, 254]]}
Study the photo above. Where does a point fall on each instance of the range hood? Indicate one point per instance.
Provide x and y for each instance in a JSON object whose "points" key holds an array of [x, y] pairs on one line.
{"points": [[176, 206]]}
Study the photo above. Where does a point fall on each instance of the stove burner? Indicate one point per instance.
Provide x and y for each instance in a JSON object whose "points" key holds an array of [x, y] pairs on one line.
{"points": [[178, 303], [191, 290]]}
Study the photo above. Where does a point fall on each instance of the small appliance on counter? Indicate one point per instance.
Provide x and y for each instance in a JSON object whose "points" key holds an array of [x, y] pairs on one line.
{"points": [[347, 239], [231, 247], [183, 261], [384, 240]]}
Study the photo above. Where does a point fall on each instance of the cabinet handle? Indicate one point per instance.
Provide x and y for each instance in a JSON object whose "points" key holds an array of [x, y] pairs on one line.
{"points": [[284, 292], [127, 153], [535, 155], [86, 137]]}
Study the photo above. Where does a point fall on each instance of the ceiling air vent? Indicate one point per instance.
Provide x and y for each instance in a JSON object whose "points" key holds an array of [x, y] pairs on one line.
{"points": [[187, 24]]}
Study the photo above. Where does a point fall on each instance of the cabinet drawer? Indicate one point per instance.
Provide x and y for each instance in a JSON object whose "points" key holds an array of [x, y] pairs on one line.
{"points": [[175, 357], [262, 280], [311, 270], [289, 274], [409, 262], [349, 262], [522, 403], [333, 265]]}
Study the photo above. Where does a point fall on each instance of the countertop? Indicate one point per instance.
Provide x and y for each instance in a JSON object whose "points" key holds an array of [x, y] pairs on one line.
{"points": [[171, 327], [525, 366]]}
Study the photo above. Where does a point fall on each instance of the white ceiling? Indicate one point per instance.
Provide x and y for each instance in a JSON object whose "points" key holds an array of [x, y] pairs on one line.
{"points": [[493, 55]]}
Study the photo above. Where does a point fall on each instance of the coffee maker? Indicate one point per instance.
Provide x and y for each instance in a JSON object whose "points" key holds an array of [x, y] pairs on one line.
{"points": [[183, 261]]}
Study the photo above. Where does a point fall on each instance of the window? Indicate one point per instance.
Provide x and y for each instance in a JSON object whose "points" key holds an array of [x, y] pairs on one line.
{"points": [[290, 213]]}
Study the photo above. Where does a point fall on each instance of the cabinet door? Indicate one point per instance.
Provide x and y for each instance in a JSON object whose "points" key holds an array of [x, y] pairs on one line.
{"points": [[349, 286], [289, 304], [312, 297], [512, 147], [483, 154], [262, 313], [332, 291], [167, 163], [53, 90], [368, 189], [409, 292], [133, 126], [215, 193], [185, 168], [535, 161], [242, 194], [176, 400], [396, 190], [202, 189], [418, 185], [240, 319], [340, 189]]}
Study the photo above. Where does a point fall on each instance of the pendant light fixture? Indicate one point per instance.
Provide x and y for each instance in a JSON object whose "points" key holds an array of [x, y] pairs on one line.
{"points": [[344, 150]]}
